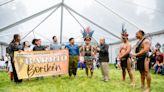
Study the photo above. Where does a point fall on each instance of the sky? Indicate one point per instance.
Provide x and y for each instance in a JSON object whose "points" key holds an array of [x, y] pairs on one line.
{"points": [[134, 14]]}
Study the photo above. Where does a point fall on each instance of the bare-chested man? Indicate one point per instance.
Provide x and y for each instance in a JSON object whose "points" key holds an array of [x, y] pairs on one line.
{"points": [[124, 57], [143, 60]]}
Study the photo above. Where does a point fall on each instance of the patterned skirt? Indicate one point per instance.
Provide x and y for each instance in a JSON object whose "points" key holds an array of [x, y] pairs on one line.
{"points": [[88, 60]]}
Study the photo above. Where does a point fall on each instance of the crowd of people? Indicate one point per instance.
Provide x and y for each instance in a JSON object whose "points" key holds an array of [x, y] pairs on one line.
{"points": [[157, 61], [89, 53]]}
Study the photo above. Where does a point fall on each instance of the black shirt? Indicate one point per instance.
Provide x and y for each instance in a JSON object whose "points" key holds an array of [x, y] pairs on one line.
{"points": [[39, 48], [103, 53]]}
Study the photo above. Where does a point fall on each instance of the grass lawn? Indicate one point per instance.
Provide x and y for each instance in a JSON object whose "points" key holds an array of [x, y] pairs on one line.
{"points": [[80, 83]]}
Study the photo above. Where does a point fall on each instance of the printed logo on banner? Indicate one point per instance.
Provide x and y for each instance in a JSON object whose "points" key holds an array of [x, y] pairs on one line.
{"points": [[41, 63]]}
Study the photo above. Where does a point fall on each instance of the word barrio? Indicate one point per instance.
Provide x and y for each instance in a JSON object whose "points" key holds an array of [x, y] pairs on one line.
{"points": [[41, 63]]}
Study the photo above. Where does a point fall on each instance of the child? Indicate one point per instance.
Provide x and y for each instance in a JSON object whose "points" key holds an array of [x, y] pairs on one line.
{"points": [[9, 67]]}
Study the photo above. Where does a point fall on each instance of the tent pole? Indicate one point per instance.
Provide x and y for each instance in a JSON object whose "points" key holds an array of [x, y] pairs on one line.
{"points": [[6, 3], [78, 22], [29, 18], [110, 10], [92, 22], [61, 25], [40, 23], [1, 50]]}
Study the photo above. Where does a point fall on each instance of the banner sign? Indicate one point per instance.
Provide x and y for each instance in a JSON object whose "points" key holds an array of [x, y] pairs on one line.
{"points": [[41, 63]]}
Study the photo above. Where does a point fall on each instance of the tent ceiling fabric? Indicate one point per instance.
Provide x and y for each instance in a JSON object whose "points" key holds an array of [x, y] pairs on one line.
{"points": [[103, 16]]}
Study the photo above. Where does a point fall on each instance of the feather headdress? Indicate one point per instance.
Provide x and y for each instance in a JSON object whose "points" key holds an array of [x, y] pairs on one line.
{"points": [[124, 31], [87, 33]]}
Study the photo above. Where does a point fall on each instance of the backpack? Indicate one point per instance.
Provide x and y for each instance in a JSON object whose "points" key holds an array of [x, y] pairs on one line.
{"points": [[8, 50]]}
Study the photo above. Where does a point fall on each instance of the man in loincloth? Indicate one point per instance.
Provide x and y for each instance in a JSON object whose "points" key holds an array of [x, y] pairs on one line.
{"points": [[143, 59], [124, 57]]}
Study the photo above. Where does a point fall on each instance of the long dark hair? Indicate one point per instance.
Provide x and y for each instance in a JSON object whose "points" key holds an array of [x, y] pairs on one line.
{"points": [[15, 38], [24, 43]]}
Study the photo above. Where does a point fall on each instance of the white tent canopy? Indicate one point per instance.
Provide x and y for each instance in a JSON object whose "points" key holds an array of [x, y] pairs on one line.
{"points": [[46, 18]]}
